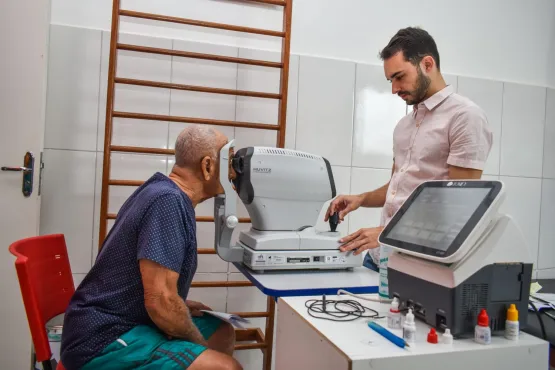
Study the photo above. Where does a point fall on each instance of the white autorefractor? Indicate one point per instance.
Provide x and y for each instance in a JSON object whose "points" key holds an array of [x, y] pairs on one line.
{"points": [[283, 191], [454, 254]]}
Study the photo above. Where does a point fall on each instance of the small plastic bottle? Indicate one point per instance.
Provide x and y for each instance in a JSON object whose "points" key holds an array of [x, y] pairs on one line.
{"points": [[409, 328], [394, 317], [383, 290], [511, 325], [447, 337], [482, 331], [432, 336]]}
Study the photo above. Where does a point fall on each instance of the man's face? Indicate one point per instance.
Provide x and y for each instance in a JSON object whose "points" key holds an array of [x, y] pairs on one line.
{"points": [[408, 81]]}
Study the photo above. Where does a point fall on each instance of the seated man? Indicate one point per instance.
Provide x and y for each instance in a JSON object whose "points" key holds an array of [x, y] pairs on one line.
{"points": [[130, 311]]}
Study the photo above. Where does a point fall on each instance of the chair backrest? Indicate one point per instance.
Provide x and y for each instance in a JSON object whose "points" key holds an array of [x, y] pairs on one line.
{"points": [[46, 284]]}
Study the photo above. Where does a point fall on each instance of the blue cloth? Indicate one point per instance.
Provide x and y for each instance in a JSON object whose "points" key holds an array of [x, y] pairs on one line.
{"points": [[369, 263], [157, 222]]}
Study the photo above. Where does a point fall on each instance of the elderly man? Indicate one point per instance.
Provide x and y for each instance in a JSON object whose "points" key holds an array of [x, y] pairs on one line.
{"points": [[130, 311]]}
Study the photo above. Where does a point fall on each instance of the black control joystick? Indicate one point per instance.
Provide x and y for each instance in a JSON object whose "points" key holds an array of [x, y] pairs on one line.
{"points": [[334, 221]]}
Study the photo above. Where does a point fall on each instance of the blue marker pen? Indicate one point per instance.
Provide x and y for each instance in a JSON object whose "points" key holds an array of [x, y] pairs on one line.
{"points": [[398, 341]]}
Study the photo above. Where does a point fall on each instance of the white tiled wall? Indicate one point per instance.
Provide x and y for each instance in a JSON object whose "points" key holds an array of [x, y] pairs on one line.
{"points": [[341, 110]]}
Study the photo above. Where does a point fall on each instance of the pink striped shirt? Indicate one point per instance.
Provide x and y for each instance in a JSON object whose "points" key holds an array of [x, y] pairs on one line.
{"points": [[445, 129]]}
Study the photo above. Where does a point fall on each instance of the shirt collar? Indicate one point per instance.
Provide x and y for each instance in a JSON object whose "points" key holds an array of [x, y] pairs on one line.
{"points": [[434, 100]]}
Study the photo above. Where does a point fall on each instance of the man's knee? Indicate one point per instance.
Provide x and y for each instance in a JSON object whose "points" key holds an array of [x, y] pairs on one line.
{"points": [[214, 360], [233, 365]]}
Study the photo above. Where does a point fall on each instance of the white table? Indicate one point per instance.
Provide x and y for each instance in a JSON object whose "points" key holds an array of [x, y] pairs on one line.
{"points": [[304, 342], [360, 280]]}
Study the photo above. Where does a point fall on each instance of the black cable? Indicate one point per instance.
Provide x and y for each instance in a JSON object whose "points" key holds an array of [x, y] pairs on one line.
{"points": [[344, 310], [540, 319]]}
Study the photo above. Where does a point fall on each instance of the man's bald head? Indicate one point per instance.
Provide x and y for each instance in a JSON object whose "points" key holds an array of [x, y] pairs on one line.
{"points": [[196, 142]]}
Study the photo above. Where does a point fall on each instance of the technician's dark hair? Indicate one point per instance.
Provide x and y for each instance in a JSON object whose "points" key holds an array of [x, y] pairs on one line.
{"points": [[414, 42]]}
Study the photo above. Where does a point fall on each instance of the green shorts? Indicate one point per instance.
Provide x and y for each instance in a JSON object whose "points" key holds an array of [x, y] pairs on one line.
{"points": [[145, 348]]}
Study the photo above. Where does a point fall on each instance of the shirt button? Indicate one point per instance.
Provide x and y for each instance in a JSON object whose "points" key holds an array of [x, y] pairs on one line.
{"points": [[393, 192]]}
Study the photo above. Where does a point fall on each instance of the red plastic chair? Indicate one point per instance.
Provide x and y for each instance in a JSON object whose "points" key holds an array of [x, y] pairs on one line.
{"points": [[46, 284]]}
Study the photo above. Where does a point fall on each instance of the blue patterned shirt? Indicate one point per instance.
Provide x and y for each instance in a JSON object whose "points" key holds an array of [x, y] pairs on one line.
{"points": [[157, 222]]}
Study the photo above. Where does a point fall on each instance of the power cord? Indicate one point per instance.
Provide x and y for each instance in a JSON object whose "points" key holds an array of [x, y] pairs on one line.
{"points": [[339, 310], [370, 299], [343, 310], [544, 335]]}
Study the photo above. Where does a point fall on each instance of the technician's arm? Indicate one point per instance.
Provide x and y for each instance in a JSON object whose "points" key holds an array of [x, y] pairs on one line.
{"points": [[164, 306], [460, 173], [345, 204], [375, 198]]}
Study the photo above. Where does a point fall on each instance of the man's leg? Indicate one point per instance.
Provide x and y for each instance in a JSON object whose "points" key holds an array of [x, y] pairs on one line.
{"points": [[219, 334], [214, 360], [223, 340]]}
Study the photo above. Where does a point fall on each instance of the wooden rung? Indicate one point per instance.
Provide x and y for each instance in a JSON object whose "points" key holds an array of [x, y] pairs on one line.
{"points": [[141, 150], [259, 335], [201, 121], [125, 182], [206, 251], [251, 314], [211, 90], [220, 284], [193, 22], [245, 335], [270, 2], [250, 335], [240, 347], [189, 54], [242, 220]]}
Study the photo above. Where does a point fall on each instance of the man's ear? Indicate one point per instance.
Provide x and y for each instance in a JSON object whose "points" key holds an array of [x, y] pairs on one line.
{"points": [[207, 168], [428, 63]]}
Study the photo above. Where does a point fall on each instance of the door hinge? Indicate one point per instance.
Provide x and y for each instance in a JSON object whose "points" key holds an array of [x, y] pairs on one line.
{"points": [[41, 167]]}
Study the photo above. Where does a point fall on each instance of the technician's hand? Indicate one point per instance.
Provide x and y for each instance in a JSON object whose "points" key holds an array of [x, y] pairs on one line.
{"points": [[361, 240], [196, 307], [344, 204]]}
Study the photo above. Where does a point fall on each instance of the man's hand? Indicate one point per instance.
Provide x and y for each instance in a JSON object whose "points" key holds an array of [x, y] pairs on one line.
{"points": [[361, 240], [196, 308], [344, 204]]}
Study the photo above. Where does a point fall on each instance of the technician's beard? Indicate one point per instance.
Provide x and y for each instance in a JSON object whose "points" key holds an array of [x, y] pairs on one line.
{"points": [[422, 85]]}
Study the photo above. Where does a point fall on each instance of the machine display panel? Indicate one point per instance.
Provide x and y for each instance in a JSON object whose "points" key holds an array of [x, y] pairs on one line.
{"points": [[438, 217]]}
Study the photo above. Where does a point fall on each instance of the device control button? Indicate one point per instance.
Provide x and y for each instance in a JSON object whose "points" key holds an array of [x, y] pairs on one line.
{"points": [[232, 221]]}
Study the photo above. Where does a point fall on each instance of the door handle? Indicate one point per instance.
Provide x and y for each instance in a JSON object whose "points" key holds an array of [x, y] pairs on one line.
{"points": [[16, 169], [28, 170]]}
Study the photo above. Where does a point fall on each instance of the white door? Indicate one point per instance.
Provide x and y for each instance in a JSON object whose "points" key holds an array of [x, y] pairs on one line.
{"points": [[23, 45]]}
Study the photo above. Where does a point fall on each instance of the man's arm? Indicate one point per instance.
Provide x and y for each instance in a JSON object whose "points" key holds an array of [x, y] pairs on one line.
{"points": [[461, 173], [470, 144], [164, 305], [345, 204]]}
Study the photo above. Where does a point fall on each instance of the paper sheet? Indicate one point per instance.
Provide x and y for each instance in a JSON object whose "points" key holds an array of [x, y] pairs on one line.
{"points": [[543, 301], [236, 321]]}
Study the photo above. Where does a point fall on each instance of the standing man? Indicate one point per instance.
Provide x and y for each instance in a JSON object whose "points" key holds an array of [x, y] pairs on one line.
{"points": [[446, 136]]}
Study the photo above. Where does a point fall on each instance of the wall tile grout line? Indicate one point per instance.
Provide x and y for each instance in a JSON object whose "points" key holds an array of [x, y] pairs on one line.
{"points": [[542, 182], [74, 150], [353, 114], [297, 105], [501, 131], [172, 61], [96, 156]]}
